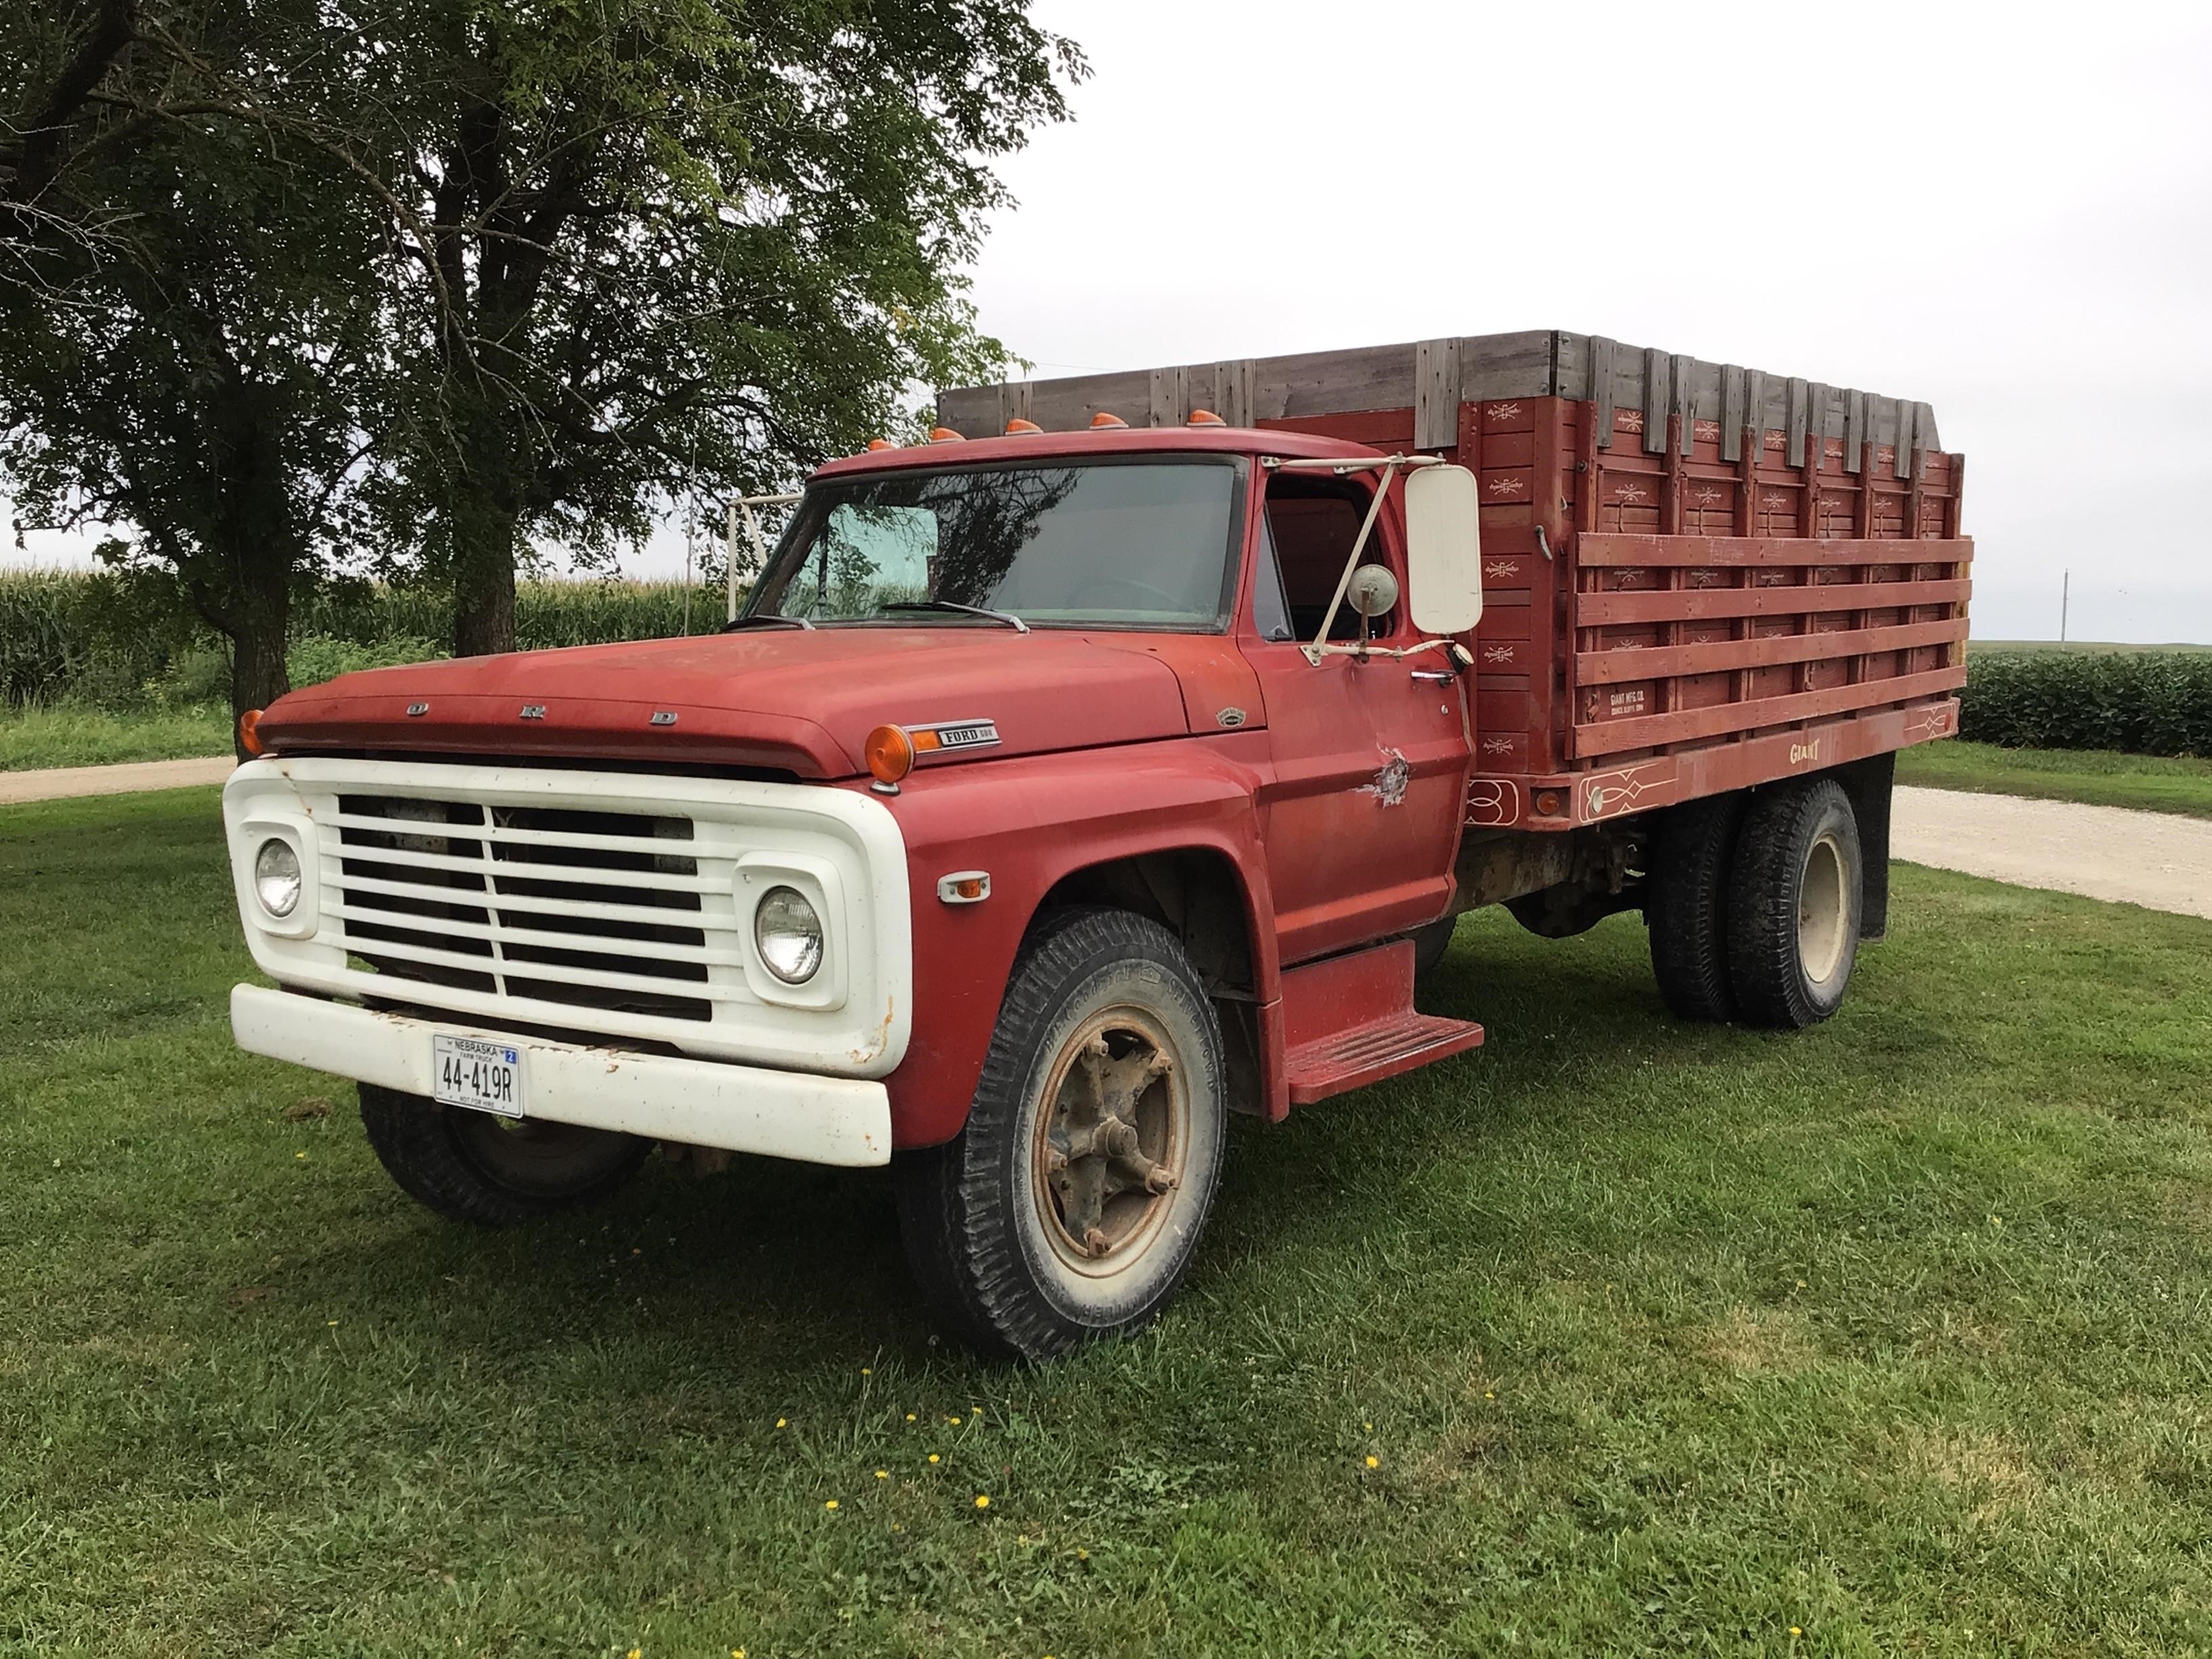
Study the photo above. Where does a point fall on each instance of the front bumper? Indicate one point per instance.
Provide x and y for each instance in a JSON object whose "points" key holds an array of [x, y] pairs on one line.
{"points": [[743, 1109]]}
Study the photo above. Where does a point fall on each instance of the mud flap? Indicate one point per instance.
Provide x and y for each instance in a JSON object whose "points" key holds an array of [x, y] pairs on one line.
{"points": [[1867, 782]]}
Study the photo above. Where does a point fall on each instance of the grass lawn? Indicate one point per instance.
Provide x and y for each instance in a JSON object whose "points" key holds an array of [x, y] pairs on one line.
{"points": [[67, 736], [1887, 1337], [2097, 776]]}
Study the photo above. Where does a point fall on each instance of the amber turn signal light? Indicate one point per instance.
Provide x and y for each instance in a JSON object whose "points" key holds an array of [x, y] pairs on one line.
{"points": [[889, 752], [249, 733]]}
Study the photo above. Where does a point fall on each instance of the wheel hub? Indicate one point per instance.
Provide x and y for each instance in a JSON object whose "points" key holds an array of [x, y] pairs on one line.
{"points": [[1110, 1138]]}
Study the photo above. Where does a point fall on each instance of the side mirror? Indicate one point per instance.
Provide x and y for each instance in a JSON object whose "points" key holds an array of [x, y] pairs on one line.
{"points": [[1443, 549], [1374, 589]]}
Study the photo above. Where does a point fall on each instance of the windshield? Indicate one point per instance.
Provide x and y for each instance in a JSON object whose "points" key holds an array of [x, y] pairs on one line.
{"points": [[1082, 543]]}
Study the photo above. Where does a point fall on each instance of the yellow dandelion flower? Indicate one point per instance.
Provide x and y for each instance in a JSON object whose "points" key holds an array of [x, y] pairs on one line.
{"points": [[1794, 1631], [1801, 1284], [1374, 1462], [982, 1500], [830, 1504], [865, 1371], [1488, 1394], [303, 1155], [737, 1653], [634, 1653], [1083, 1555], [883, 1475], [779, 1422], [1370, 1427], [933, 1457], [953, 1420], [909, 1417]]}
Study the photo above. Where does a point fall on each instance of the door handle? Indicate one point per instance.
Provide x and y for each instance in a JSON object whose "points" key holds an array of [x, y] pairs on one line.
{"points": [[1435, 676]]}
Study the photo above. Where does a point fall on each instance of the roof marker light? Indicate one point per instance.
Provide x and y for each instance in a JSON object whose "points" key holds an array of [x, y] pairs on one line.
{"points": [[877, 445], [1204, 417], [945, 435], [1102, 420], [1019, 428]]}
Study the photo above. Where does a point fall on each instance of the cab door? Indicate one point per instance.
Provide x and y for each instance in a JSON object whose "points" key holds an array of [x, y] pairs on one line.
{"points": [[1361, 810]]}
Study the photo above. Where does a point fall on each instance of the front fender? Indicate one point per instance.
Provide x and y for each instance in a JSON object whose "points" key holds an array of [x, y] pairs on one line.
{"points": [[1030, 822]]}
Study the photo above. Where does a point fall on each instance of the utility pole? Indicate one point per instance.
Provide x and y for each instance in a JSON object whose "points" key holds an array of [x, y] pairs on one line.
{"points": [[2065, 598]]}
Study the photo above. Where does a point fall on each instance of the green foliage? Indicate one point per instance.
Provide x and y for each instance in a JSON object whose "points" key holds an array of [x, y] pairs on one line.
{"points": [[2147, 703], [1666, 1339]]}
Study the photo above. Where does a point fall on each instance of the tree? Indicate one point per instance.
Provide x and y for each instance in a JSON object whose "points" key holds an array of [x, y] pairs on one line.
{"points": [[187, 346], [654, 241]]}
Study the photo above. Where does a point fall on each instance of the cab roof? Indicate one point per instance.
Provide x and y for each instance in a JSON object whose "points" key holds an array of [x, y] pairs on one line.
{"points": [[1103, 442]]}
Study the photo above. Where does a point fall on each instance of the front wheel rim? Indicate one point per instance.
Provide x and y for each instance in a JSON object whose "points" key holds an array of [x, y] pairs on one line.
{"points": [[1823, 911], [1112, 1139]]}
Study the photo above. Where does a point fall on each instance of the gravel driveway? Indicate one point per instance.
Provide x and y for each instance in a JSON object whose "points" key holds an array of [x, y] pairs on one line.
{"points": [[2159, 860]]}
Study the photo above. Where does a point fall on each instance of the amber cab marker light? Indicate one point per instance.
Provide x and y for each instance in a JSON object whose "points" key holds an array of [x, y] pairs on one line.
{"points": [[889, 754], [877, 445], [249, 733], [1102, 420], [945, 435], [1021, 428], [1204, 417]]}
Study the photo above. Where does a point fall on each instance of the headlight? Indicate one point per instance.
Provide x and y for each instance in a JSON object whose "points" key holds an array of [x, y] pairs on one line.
{"points": [[276, 877], [789, 934]]}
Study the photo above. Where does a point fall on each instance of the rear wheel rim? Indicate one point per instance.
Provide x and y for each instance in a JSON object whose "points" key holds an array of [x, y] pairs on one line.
{"points": [[1112, 1137], [1823, 911]]}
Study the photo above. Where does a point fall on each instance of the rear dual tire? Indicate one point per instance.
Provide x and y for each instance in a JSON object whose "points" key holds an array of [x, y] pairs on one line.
{"points": [[1754, 903]]}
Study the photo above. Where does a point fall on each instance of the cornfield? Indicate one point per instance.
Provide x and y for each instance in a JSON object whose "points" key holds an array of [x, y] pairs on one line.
{"points": [[129, 639]]}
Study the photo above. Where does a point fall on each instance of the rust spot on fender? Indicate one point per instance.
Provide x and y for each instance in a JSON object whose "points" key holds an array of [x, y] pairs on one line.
{"points": [[880, 1038]]}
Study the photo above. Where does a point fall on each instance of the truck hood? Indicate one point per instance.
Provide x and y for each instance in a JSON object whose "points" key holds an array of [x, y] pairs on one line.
{"points": [[796, 701]]}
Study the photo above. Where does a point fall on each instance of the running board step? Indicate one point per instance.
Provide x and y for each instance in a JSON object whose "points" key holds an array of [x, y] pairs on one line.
{"points": [[1350, 1021]]}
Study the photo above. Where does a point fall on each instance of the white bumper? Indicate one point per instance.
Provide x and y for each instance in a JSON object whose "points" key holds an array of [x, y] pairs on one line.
{"points": [[744, 1108]]}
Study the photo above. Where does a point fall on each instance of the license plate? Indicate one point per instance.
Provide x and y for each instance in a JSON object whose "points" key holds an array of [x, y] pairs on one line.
{"points": [[483, 1076]]}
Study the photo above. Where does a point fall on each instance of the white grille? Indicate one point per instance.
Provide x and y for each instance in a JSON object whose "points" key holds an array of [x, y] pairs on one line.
{"points": [[605, 905], [593, 910]]}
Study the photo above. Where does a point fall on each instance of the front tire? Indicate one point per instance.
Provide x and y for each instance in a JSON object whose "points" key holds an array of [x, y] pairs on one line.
{"points": [[494, 1171], [1071, 1204], [1797, 892]]}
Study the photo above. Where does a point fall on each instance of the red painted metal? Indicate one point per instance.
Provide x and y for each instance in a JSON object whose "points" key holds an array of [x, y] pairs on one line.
{"points": [[1349, 1021]]}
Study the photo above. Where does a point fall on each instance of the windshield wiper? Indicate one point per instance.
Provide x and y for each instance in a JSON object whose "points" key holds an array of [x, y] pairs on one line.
{"points": [[767, 617], [1005, 617]]}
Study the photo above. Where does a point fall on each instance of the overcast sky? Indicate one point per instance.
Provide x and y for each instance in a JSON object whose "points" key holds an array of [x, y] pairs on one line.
{"points": [[2003, 211]]}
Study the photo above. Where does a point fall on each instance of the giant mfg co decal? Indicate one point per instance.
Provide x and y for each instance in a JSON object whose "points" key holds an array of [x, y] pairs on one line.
{"points": [[1608, 794]]}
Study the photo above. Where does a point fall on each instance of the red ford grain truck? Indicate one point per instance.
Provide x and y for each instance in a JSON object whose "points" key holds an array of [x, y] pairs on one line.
{"points": [[1067, 785]]}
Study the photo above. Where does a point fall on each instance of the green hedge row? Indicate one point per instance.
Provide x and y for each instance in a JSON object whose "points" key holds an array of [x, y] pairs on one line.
{"points": [[2142, 702], [128, 639]]}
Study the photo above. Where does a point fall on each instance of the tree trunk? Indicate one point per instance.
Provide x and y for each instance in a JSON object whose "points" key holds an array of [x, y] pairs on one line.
{"points": [[258, 674], [484, 586]]}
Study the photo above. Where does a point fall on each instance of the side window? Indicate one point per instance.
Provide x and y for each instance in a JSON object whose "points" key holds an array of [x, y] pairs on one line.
{"points": [[1312, 524], [1271, 612]]}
